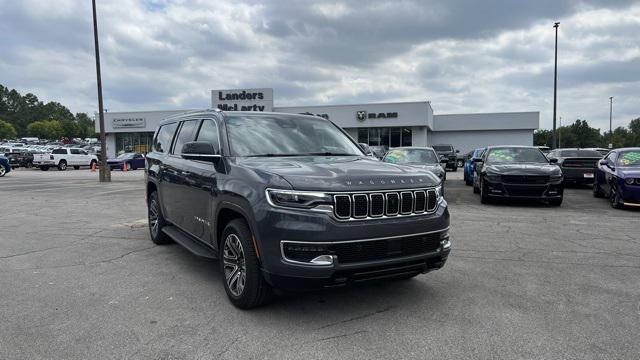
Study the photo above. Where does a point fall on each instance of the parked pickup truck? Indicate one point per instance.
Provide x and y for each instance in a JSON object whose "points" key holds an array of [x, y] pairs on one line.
{"points": [[446, 151], [63, 157]]}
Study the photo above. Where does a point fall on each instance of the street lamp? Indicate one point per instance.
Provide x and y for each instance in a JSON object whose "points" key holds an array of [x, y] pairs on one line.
{"points": [[105, 171], [555, 87], [610, 122]]}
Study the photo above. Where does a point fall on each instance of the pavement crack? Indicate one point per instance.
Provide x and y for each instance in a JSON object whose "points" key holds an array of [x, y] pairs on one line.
{"points": [[343, 335], [359, 317], [121, 256], [228, 347]]}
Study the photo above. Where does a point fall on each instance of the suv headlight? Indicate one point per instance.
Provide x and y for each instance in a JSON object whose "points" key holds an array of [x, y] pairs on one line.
{"points": [[438, 193], [298, 199], [555, 178]]}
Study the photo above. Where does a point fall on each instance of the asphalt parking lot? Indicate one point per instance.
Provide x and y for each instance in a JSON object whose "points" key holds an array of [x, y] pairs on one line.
{"points": [[79, 278]]}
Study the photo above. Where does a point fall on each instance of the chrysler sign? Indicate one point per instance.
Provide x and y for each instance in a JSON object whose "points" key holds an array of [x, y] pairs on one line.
{"points": [[133, 122]]}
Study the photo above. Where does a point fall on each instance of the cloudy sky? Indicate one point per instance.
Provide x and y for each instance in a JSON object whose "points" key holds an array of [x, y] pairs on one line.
{"points": [[464, 56]]}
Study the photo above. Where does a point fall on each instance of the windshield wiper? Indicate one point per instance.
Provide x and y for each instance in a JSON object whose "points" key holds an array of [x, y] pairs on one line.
{"points": [[327, 153], [271, 155]]}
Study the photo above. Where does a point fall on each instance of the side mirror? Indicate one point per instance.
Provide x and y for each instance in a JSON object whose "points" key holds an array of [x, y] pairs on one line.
{"points": [[477, 160], [457, 151], [604, 162], [200, 150], [553, 160]]}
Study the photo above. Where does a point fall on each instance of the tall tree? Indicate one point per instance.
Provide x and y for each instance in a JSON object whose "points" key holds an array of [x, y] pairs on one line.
{"points": [[7, 131]]}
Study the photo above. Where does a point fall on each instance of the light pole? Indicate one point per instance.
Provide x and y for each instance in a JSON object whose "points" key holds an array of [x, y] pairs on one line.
{"points": [[105, 171], [560, 134], [610, 122], [555, 87]]}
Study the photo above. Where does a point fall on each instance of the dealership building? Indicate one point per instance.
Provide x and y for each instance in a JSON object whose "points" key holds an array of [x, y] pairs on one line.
{"points": [[378, 124]]}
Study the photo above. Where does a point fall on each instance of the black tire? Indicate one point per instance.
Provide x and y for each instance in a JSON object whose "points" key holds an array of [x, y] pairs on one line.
{"points": [[597, 192], [76, 167], [454, 168], [614, 197], [156, 221], [44, 168], [459, 163], [3, 171], [240, 267], [476, 190], [62, 165], [555, 202], [484, 198]]}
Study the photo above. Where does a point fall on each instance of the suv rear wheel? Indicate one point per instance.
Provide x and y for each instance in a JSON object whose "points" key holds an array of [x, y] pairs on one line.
{"points": [[156, 221], [239, 264]]}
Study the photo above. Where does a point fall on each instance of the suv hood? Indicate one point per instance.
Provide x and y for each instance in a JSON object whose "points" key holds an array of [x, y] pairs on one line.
{"points": [[523, 169], [341, 173]]}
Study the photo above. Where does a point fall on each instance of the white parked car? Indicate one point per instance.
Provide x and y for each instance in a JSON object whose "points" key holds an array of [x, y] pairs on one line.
{"points": [[64, 157]]}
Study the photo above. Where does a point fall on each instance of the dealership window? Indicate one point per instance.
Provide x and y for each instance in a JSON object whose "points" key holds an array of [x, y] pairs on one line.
{"points": [[389, 137], [134, 142]]}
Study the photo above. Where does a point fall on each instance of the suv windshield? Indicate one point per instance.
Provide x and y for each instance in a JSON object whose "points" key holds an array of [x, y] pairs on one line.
{"points": [[629, 158], [442, 148], [411, 156], [516, 155], [279, 135]]}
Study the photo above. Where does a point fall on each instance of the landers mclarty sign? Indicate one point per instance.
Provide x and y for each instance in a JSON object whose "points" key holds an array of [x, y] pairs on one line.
{"points": [[243, 99]]}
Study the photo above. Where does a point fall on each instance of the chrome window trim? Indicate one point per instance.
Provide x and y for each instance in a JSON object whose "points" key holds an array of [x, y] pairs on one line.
{"points": [[353, 206]]}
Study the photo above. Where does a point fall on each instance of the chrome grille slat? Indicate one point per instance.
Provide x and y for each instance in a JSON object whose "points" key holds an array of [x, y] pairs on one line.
{"points": [[372, 204]]}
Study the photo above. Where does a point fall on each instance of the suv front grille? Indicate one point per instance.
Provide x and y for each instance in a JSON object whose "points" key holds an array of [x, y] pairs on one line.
{"points": [[378, 204], [525, 179]]}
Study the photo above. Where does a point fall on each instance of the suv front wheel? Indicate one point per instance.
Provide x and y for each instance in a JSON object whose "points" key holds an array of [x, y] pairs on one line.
{"points": [[240, 267], [156, 221]]}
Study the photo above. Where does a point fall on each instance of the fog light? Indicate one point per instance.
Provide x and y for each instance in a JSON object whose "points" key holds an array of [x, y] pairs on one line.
{"points": [[323, 260]]}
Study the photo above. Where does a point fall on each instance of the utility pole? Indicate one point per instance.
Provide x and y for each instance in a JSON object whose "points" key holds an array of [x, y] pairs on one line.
{"points": [[104, 171], [555, 88]]}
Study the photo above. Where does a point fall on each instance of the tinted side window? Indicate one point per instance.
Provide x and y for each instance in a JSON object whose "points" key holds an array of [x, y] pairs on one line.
{"points": [[75, 151], [59, 151], [164, 137], [187, 133], [209, 133]]}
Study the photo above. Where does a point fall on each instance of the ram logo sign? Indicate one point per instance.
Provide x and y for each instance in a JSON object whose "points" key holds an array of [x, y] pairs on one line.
{"points": [[361, 115]]}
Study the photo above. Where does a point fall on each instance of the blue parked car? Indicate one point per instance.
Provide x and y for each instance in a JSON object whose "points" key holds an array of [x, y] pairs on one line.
{"points": [[133, 160], [4, 166], [618, 177], [468, 165]]}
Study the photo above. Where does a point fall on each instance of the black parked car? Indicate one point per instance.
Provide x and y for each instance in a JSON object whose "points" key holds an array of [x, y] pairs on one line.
{"points": [[446, 152], [517, 172], [20, 159], [578, 165], [290, 201]]}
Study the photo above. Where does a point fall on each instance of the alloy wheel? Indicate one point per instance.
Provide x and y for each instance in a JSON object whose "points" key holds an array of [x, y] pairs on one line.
{"points": [[2, 170], [153, 217], [235, 270]]}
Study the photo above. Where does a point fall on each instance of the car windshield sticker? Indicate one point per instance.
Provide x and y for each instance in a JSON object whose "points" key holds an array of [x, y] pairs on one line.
{"points": [[393, 156], [501, 155], [630, 158]]}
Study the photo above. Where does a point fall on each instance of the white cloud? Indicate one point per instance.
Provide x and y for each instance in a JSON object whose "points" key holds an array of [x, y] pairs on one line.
{"points": [[464, 57]]}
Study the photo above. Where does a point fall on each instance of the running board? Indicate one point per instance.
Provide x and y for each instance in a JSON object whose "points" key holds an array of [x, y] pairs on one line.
{"points": [[194, 246]]}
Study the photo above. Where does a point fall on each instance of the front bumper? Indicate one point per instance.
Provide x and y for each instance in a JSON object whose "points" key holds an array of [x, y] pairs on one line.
{"points": [[304, 227], [630, 194], [525, 191]]}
